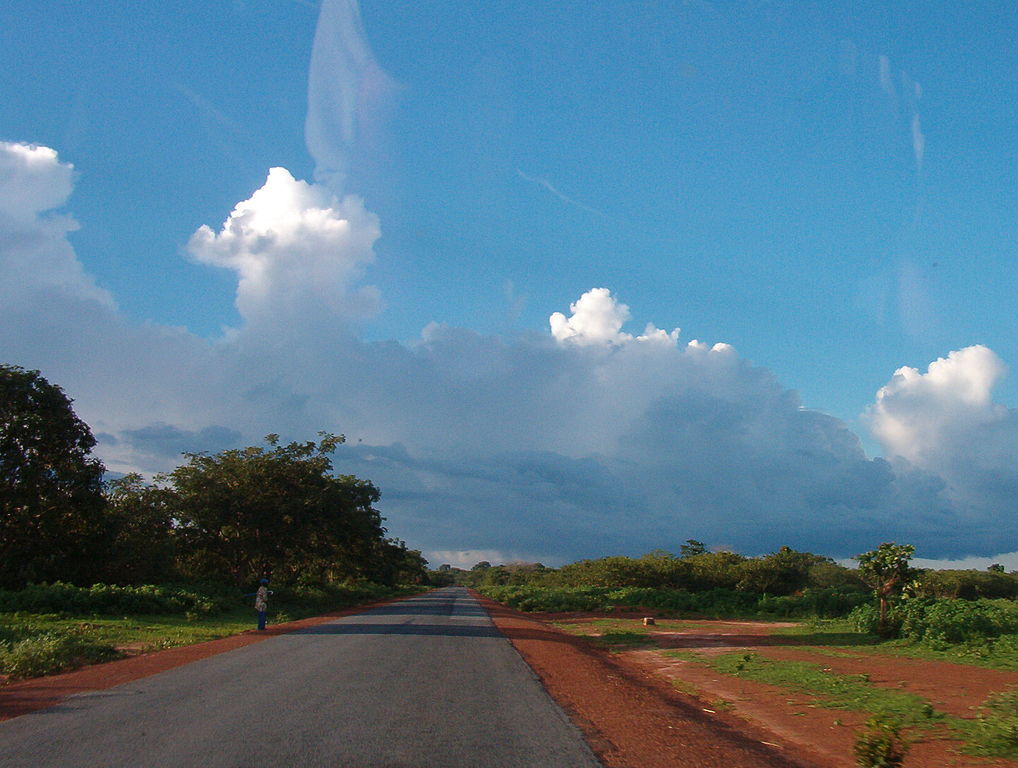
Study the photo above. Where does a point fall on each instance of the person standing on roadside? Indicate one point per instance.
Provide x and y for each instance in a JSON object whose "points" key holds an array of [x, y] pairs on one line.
{"points": [[261, 601]]}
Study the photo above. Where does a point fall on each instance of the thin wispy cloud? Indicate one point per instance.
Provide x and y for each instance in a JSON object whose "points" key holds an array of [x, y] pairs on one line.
{"points": [[559, 194], [918, 141], [225, 133], [886, 83]]}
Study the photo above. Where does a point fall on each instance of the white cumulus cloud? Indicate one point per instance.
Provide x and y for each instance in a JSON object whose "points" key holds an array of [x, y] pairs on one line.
{"points": [[945, 422], [919, 416], [597, 318], [34, 253], [296, 249]]}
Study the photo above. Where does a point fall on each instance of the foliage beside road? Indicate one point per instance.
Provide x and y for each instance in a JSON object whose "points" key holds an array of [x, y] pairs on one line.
{"points": [[46, 629], [238, 515], [90, 567]]}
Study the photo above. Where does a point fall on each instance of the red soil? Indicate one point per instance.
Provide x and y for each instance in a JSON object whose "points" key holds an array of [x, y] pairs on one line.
{"points": [[825, 736]]}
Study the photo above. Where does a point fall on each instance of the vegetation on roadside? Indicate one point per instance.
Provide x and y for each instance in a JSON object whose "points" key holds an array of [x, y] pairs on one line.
{"points": [[993, 733], [30, 650], [52, 628], [961, 616], [880, 744], [828, 689], [713, 603], [88, 565]]}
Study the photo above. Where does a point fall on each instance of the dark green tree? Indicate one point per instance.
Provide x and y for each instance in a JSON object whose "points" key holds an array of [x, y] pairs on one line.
{"points": [[52, 522], [142, 540], [691, 548], [779, 573], [255, 511]]}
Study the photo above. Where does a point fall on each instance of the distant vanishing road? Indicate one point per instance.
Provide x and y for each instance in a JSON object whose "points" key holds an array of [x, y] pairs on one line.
{"points": [[427, 681]]}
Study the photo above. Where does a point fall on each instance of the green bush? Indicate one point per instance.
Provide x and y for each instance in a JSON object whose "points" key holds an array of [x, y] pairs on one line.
{"points": [[881, 744], [326, 597], [47, 653], [996, 730], [111, 600], [720, 602], [941, 622], [823, 603], [865, 618]]}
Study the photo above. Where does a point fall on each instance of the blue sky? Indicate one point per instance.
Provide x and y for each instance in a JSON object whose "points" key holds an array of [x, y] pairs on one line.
{"points": [[828, 188]]}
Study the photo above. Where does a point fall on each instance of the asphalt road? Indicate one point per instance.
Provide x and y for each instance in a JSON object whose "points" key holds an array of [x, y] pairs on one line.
{"points": [[427, 681]]}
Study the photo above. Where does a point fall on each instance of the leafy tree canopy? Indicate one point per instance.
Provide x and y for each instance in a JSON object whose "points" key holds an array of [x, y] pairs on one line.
{"points": [[51, 506], [279, 510]]}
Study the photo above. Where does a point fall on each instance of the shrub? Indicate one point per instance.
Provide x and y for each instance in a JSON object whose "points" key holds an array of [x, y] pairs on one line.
{"points": [[996, 730], [50, 652], [941, 622], [823, 603], [719, 602], [881, 744], [111, 600]]}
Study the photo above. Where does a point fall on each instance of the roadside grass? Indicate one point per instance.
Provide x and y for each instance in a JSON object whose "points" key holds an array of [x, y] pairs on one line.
{"points": [[36, 644], [622, 640], [162, 630], [827, 633], [993, 733], [999, 653], [629, 626], [32, 645], [828, 689]]}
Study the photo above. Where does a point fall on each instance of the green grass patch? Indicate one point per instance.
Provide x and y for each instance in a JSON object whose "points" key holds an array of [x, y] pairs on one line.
{"points": [[994, 733], [829, 690], [997, 653], [620, 640], [35, 644], [618, 634], [46, 653], [832, 634], [687, 688], [827, 633]]}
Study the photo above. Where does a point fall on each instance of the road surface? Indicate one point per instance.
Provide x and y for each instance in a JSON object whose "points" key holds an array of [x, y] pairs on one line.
{"points": [[427, 681]]}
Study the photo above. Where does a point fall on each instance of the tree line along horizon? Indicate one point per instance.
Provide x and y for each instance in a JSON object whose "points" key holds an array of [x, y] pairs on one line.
{"points": [[279, 510], [235, 516]]}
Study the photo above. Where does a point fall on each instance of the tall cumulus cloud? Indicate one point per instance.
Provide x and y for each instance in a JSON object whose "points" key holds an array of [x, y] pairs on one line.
{"points": [[578, 441]]}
